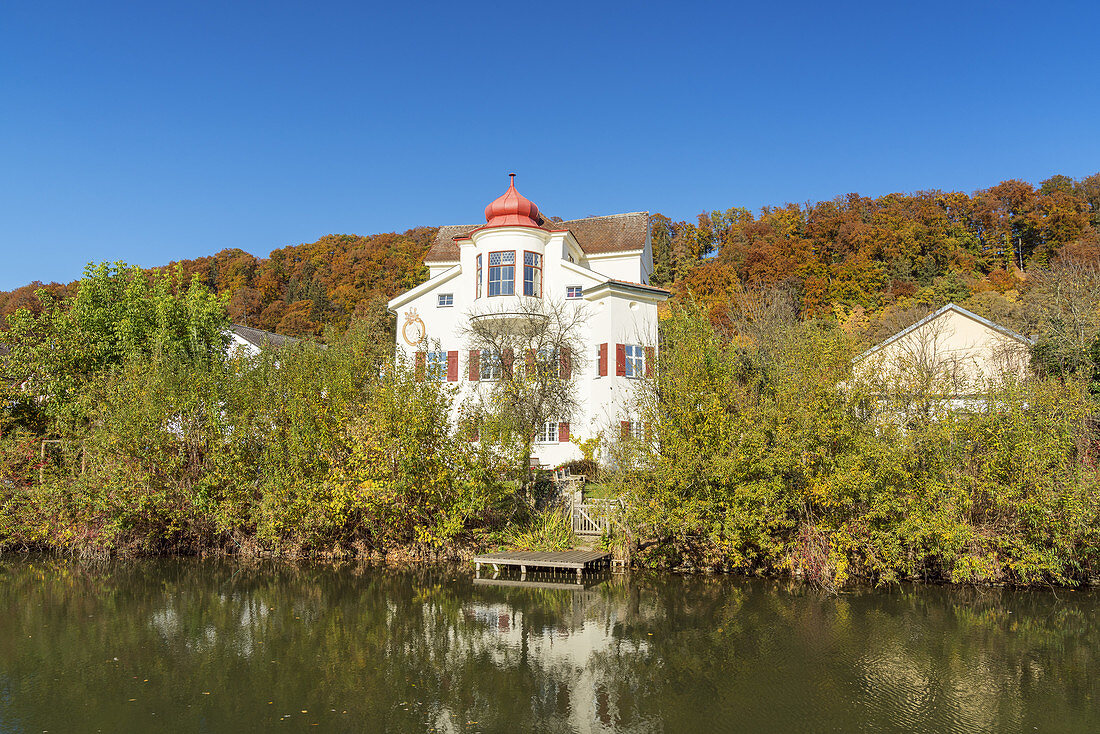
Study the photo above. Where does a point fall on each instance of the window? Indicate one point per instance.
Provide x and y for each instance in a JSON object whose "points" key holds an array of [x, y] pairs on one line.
{"points": [[547, 433], [437, 366], [477, 292], [532, 274], [637, 430], [573, 291], [635, 360], [490, 365], [548, 362], [446, 300], [502, 273]]}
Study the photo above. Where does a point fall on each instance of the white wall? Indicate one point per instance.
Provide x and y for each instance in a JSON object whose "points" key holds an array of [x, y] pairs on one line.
{"points": [[966, 355], [612, 318]]}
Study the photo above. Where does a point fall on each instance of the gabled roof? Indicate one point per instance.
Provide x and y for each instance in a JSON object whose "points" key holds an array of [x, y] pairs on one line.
{"points": [[596, 235], [933, 316], [426, 287], [260, 338]]}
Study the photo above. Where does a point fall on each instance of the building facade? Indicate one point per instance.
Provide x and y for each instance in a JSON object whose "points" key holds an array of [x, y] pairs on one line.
{"points": [[520, 264], [952, 354]]}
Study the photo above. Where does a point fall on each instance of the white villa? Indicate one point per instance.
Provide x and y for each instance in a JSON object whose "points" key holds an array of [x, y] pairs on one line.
{"points": [[517, 259]]}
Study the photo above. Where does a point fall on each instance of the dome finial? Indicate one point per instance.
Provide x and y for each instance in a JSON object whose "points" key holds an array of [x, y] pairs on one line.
{"points": [[512, 208]]}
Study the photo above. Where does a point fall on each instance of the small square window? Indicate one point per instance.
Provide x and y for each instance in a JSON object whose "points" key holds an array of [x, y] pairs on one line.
{"points": [[446, 300], [573, 291]]}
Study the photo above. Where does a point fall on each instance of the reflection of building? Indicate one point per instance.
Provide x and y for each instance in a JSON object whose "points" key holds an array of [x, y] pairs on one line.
{"points": [[952, 354], [564, 639], [517, 262]]}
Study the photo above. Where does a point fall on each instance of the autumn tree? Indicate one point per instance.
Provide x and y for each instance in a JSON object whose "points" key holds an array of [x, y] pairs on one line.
{"points": [[524, 357]]}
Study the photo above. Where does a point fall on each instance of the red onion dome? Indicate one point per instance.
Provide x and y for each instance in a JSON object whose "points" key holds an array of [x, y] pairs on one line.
{"points": [[512, 208]]}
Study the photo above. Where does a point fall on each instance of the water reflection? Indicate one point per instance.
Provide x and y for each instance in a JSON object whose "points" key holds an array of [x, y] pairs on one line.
{"points": [[200, 646]]}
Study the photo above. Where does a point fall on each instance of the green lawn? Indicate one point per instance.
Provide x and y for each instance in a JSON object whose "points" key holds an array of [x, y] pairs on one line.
{"points": [[597, 491]]}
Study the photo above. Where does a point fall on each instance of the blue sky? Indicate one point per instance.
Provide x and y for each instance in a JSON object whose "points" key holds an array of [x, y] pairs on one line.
{"points": [[151, 131]]}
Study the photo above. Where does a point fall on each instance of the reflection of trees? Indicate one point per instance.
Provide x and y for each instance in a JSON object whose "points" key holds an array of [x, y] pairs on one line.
{"points": [[406, 651]]}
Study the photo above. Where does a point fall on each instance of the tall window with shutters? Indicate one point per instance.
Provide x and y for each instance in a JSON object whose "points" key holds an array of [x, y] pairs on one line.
{"points": [[635, 360], [437, 366], [490, 365], [547, 433], [502, 273]]}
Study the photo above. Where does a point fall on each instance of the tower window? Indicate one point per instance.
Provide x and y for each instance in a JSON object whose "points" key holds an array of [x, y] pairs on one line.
{"points": [[532, 274], [502, 273]]}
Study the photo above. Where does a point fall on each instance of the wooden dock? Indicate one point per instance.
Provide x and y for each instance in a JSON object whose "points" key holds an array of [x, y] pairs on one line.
{"points": [[572, 560], [561, 583]]}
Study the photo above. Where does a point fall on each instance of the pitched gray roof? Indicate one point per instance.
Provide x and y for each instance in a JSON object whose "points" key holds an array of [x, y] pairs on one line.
{"points": [[930, 317], [596, 235], [260, 338]]}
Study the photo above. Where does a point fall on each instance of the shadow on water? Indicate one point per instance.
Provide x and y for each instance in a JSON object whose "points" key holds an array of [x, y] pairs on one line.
{"points": [[187, 645]]}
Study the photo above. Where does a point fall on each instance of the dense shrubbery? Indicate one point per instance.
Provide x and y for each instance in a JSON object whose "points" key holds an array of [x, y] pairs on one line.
{"points": [[759, 462], [301, 449], [129, 430]]}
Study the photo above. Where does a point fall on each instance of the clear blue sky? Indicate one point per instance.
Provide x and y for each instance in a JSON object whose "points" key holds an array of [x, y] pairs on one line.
{"points": [[151, 131]]}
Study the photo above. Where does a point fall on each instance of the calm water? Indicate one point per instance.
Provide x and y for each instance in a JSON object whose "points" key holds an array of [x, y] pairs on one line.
{"points": [[199, 646]]}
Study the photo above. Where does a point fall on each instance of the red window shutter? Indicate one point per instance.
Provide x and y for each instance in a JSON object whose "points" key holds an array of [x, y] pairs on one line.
{"points": [[650, 358], [475, 365], [420, 366], [507, 357], [625, 425], [531, 361], [603, 360], [566, 368], [452, 366], [563, 432], [620, 360]]}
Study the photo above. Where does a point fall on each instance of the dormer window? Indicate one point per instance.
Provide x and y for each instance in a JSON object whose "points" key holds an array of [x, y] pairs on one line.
{"points": [[446, 300], [502, 273], [532, 274]]}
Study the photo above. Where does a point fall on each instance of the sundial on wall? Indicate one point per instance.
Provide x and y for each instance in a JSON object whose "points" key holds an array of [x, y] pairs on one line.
{"points": [[413, 331]]}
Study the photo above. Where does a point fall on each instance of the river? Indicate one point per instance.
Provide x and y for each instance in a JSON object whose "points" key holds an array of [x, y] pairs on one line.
{"points": [[186, 645]]}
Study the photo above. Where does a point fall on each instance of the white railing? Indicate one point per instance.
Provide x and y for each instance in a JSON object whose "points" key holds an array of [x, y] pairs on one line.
{"points": [[593, 517]]}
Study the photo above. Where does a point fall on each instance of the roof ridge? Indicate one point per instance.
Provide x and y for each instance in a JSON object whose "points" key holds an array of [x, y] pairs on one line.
{"points": [[950, 306]]}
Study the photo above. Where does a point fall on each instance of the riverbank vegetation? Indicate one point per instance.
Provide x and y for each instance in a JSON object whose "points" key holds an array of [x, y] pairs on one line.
{"points": [[755, 459], [126, 427]]}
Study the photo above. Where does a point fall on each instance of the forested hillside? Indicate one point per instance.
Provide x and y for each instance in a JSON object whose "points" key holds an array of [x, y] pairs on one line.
{"points": [[856, 257]]}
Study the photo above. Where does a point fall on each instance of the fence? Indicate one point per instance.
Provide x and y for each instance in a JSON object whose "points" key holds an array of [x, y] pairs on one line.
{"points": [[594, 516]]}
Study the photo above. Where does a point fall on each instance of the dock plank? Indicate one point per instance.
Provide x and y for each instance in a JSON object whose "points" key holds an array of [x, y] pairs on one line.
{"points": [[577, 560]]}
